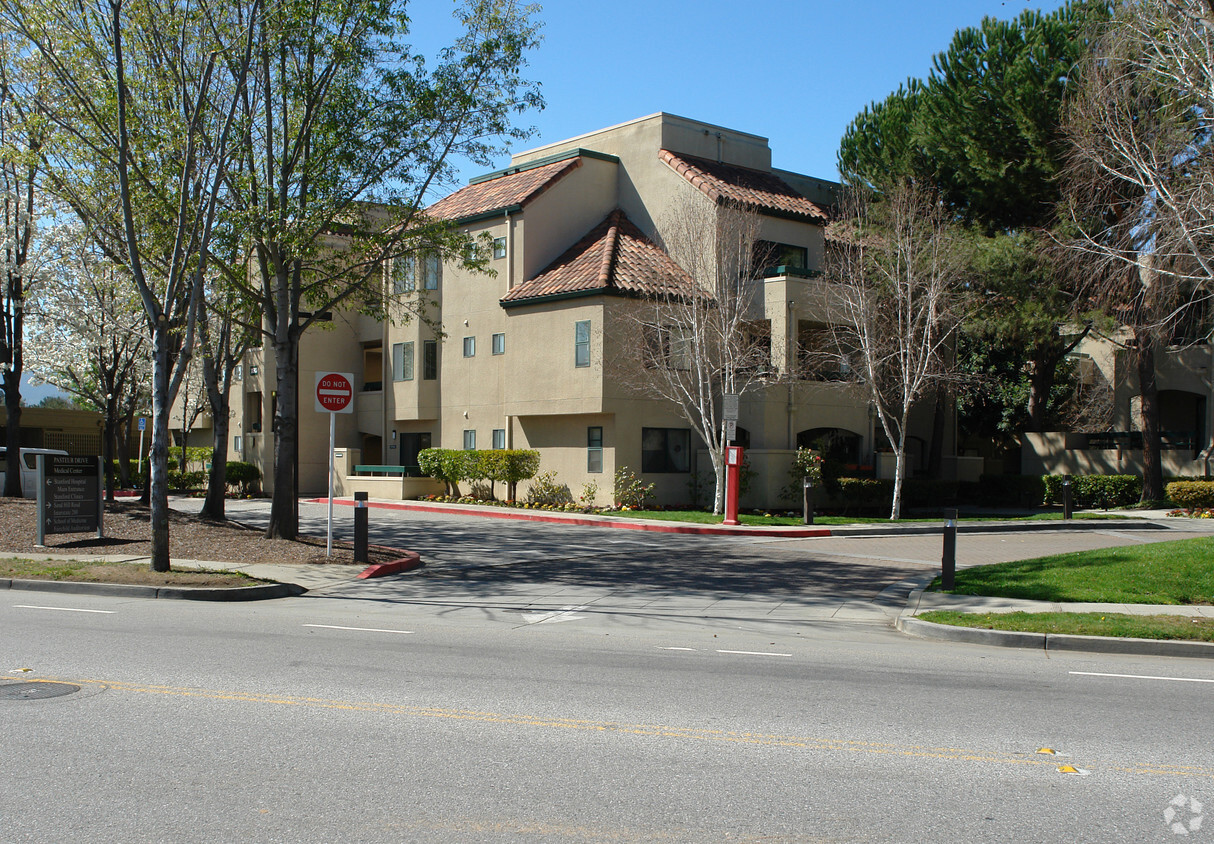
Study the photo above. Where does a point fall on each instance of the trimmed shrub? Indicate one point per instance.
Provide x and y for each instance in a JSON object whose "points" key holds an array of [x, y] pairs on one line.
{"points": [[508, 466], [447, 465], [806, 463], [927, 493], [1101, 491], [1010, 490], [244, 476], [180, 481], [865, 493], [1191, 495]]}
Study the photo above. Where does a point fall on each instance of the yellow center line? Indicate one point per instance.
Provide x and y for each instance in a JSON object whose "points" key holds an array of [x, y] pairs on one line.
{"points": [[656, 730]]}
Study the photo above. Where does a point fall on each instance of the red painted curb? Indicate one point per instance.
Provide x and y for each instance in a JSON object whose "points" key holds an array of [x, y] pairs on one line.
{"points": [[409, 562], [590, 521]]}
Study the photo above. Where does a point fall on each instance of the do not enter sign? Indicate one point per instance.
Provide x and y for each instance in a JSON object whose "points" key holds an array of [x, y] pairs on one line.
{"points": [[335, 392]]}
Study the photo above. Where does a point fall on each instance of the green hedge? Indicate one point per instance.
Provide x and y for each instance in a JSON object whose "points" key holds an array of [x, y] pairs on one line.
{"points": [[506, 465], [1191, 494], [1101, 491]]}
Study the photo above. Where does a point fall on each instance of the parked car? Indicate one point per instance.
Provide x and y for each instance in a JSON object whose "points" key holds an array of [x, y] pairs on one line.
{"points": [[29, 468]]}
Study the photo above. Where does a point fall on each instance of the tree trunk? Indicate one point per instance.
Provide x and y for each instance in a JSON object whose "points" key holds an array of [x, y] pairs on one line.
{"points": [[217, 483], [107, 450], [895, 508], [935, 451], [284, 512], [158, 458], [1041, 384], [721, 478], [12, 434], [1152, 445]]}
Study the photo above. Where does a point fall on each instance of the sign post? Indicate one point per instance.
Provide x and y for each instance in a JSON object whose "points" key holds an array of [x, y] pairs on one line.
{"points": [[143, 424], [70, 492], [733, 471], [334, 395]]}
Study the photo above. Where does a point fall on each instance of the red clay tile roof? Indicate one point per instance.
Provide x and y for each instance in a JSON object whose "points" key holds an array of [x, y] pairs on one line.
{"points": [[614, 257], [755, 188], [503, 192]]}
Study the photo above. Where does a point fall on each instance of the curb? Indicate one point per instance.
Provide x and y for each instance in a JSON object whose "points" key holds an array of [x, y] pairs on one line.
{"points": [[409, 562], [912, 626], [176, 593], [778, 532]]}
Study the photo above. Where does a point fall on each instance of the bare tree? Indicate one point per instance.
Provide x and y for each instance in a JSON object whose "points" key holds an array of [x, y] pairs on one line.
{"points": [[898, 303], [699, 333], [1140, 183]]}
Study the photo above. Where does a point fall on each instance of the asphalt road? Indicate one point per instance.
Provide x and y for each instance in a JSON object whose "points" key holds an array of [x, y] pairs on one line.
{"points": [[461, 712]]}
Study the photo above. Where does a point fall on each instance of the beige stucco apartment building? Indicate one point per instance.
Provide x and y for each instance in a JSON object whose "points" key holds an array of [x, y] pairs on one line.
{"points": [[530, 356]]}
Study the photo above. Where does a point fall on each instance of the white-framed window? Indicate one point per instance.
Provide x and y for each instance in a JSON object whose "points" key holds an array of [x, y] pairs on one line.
{"points": [[402, 361], [499, 247], [404, 278], [499, 344], [236, 444], [581, 343], [499, 437], [238, 372], [469, 347], [469, 440]]}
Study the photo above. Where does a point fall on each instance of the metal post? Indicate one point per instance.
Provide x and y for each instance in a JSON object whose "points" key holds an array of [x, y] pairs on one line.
{"points": [[332, 437], [948, 563], [1066, 497], [360, 528], [807, 500]]}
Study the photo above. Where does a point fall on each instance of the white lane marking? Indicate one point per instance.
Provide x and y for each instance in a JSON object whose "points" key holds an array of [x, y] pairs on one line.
{"points": [[563, 614], [360, 629], [1141, 677], [752, 653], [676, 649], [61, 609]]}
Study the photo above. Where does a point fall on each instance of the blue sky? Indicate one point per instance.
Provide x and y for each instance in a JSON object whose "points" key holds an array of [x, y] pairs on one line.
{"points": [[794, 71]]}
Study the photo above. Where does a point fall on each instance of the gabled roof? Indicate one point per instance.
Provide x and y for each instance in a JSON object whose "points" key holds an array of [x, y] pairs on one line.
{"points": [[766, 192], [513, 190], [614, 257]]}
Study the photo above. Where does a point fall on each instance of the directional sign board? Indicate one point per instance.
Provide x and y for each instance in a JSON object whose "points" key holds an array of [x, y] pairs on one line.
{"points": [[729, 407], [335, 392], [69, 495]]}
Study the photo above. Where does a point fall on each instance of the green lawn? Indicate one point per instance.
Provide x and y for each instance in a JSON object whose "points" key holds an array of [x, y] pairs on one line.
{"points": [[1083, 624], [1180, 572], [703, 518]]}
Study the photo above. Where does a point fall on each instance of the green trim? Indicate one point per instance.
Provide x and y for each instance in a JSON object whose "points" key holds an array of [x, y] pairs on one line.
{"points": [[542, 162]]}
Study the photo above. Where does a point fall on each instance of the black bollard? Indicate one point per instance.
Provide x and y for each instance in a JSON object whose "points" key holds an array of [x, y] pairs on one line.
{"points": [[807, 500], [360, 527], [948, 562], [1066, 497]]}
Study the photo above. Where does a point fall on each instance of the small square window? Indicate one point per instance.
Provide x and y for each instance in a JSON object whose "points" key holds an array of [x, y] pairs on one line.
{"points": [[499, 437], [469, 347], [236, 444], [499, 247], [499, 344], [238, 372], [469, 440]]}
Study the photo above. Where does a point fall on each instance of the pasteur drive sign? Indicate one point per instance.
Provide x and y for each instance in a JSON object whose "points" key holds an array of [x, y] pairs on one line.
{"points": [[69, 495]]}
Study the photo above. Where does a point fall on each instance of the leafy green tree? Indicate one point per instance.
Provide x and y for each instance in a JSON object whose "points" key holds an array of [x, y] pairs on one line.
{"points": [[347, 130], [985, 131]]}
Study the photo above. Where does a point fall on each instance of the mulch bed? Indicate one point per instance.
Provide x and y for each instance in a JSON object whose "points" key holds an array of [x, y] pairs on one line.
{"points": [[128, 533]]}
